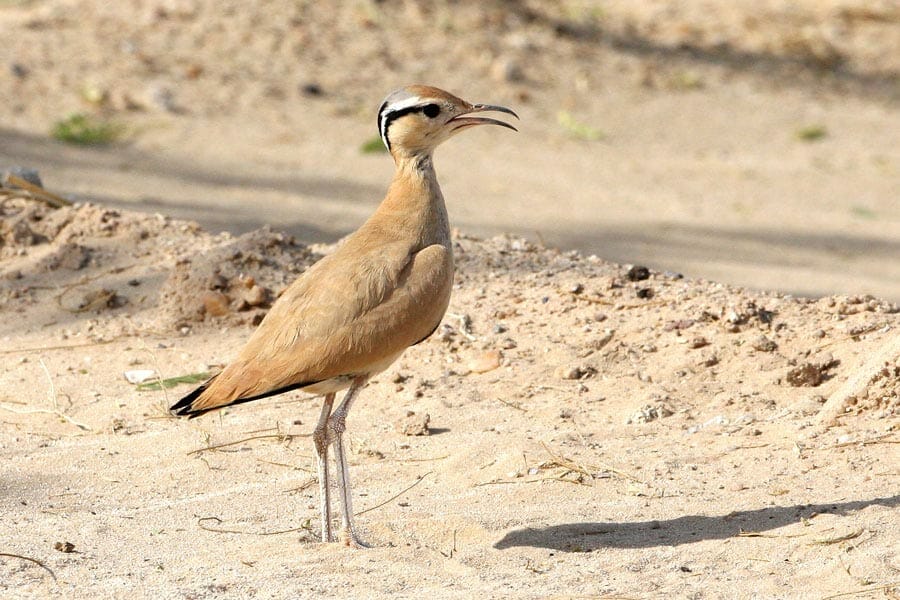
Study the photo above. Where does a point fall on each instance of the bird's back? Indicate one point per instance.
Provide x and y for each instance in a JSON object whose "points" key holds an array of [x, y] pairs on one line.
{"points": [[352, 313]]}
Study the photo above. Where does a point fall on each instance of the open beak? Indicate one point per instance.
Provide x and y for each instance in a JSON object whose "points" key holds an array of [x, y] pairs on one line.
{"points": [[465, 120]]}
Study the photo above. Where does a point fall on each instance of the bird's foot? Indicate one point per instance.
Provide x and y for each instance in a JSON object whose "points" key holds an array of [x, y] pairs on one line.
{"points": [[351, 540]]}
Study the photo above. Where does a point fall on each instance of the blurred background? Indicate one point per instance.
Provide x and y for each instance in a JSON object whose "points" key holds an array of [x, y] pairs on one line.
{"points": [[755, 142]]}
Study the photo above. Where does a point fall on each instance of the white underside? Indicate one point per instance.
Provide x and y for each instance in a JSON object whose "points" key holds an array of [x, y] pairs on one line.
{"points": [[336, 384]]}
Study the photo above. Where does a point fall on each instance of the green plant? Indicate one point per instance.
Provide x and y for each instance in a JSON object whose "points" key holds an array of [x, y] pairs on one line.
{"points": [[577, 129], [811, 133], [85, 130], [373, 145]]}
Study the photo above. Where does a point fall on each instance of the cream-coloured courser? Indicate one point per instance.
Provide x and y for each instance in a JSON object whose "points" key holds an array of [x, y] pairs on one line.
{"points": [[354, 312]]}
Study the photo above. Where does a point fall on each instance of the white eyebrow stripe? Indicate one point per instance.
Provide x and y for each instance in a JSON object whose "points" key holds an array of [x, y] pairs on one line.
{"points": [[411, 101]]}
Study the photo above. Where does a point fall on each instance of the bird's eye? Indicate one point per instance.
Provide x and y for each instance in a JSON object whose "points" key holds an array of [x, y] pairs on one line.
{"points": [[431, 110]]}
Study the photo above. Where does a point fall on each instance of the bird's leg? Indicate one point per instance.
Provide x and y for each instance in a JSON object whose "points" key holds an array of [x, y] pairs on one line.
{"points": [[321, 439], [337, 426]]}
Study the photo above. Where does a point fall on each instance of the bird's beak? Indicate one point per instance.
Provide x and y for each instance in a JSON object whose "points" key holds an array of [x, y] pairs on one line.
{"points": [[464, 120]]}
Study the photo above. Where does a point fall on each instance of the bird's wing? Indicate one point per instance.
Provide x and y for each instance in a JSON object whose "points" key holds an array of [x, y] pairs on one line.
{"points": [[340, 318]]}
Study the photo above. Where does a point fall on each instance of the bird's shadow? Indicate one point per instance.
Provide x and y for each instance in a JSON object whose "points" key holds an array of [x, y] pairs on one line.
{"points": [[588, 536]]}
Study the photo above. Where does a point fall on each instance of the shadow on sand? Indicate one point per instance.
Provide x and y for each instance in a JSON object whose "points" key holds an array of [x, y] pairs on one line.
{"points": [[583, 537]]}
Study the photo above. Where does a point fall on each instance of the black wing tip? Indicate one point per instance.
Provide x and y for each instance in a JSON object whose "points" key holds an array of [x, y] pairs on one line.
{"points": [[184, 407]]}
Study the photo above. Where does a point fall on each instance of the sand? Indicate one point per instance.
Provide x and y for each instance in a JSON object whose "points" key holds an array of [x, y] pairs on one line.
{"points": [[593, 421]]}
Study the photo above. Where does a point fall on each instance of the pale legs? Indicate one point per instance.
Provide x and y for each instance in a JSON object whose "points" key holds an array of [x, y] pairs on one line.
{"points": [[320, 438], [330, 431]]}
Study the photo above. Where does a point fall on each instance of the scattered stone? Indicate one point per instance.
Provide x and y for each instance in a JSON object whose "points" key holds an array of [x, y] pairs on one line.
{"points": [[413, 424], [603, 340], [312, 90], [508, 70], [649, 413], [18, 70], [806, 375], [139, 375], [255, 296], [638, 273], [67, 547], [764, 344], [73, 257], [678, 325], [574, 372], [645, 293], [484, 361], [708, 359], [215, 304], [79, 300], [697, 342], [508, 343], [161, 97]]}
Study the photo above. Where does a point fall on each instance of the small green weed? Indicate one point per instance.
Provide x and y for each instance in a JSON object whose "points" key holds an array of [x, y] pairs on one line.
{"points": [[85, 130], [811, 133], [373, 145], [577, 129], [155, 386]]}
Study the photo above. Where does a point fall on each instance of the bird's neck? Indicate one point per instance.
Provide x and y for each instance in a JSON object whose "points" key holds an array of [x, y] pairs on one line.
{"points": [[414, 203]]}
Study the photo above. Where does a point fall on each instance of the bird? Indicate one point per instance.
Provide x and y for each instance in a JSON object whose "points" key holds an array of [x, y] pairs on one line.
{"points": [[354, 312]]}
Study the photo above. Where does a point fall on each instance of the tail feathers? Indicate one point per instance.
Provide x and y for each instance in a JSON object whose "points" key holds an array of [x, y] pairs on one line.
{"points": [[185, 406]]}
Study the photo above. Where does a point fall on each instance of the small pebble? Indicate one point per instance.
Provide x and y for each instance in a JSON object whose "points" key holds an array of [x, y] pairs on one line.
{"points": [[698, 342], [764, 344], [638, 273], [413, 424]]}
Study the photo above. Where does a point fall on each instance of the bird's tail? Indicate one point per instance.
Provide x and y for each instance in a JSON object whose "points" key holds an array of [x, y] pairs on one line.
{"points": [[185, 406]]}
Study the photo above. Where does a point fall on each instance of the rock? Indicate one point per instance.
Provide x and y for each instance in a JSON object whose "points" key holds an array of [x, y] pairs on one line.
{"points": [[311, 90], [90, 299], [18, 70], [161, 97], [508, 70], [255, 296], [413, 424], [484, 361], [708, 359], [68, 256], [569, 372], [139, 375], [764, 344], [604, 339], [67, 547], [28, 174], [649, 413], [697, 342], [806, 375], [215, 304], [638, 273], [678, 325]]}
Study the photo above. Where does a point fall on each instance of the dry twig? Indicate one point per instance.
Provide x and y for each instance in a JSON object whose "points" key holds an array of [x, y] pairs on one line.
{"points": [[33, 560], [36, 191], [305, 527], [279, 436], [864, 591], [395, 496]]}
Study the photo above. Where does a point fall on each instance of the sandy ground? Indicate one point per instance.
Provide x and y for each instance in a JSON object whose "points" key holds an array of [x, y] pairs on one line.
{"points": [[593, 430]]}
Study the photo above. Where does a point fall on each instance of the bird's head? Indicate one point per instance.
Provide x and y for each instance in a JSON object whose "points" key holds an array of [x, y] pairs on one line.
{"points": [[415, 119]]}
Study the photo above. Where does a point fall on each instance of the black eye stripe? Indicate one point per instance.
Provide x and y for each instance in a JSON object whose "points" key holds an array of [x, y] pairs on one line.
{"points": [[386, 118]]}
